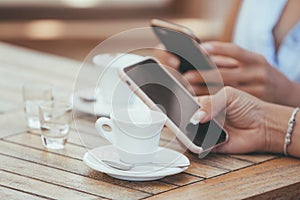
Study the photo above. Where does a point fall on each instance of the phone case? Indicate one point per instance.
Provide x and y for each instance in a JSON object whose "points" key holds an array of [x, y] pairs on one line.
{"points": [[185, 45], [181, 136]]}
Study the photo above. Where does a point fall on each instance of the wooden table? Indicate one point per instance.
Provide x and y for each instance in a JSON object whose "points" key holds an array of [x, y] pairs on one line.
{"points": [[29, 171]]}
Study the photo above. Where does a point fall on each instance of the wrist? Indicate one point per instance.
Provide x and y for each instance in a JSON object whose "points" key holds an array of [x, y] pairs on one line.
{"points": [[276, 122], [293, 97]]}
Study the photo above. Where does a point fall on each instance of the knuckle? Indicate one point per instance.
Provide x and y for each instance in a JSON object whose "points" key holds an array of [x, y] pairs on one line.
{"points": [[231, 93], [262, 75], [229, 90], [205, 102], [237, 50], [259, 92], [260, 58]]}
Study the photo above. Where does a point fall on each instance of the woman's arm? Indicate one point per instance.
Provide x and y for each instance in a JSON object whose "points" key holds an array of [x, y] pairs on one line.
{"points": [[277, 117], [253, 125], [230, 21]]}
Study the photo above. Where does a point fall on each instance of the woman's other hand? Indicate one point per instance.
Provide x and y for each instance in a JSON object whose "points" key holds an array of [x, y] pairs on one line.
{"points": [[251, 73]]}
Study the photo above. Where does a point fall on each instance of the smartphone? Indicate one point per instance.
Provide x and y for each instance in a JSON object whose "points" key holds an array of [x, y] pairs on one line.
{"points": [[160, 90], [183, 43]]}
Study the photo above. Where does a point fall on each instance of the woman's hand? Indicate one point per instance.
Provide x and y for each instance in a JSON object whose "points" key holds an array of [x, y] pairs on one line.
{"points": [[194, 81], [240, 69], [245, 120], [249, 72], [166, 58], [252, 124]]}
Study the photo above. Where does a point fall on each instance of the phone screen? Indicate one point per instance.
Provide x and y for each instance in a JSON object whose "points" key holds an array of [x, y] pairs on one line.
{"points": [[175, 102], [185, 48]]}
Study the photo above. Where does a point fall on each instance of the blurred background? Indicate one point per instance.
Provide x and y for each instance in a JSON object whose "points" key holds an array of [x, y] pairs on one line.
{"points": [[72, 28]]}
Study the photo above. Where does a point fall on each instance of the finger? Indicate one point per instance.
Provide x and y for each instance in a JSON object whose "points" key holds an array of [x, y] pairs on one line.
{"points": [[204, 77], [223, 61], [231, 145], [211, 106], [166, 58], [229, 49], [221, 76], [201, 90], [228, 147], [233, 76], [193, 77], [236, 144], [204, 112]]}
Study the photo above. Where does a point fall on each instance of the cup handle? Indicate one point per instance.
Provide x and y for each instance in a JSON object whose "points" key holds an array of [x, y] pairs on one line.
{"points": [[104, 133]]}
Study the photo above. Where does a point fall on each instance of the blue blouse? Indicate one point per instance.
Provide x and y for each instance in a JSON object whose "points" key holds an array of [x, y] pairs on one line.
{"points": [[256, 21]]}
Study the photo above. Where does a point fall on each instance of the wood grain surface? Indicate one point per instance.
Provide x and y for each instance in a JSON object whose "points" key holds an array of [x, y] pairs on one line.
{"points": [[29, 171]]}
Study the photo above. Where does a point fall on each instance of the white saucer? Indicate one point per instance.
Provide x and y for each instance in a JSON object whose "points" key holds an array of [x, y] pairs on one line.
{"points": [[141, 173], [99, 107]]}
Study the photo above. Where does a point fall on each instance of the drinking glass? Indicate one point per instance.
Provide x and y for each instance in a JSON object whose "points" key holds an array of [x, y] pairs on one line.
{"points": [[55, 118], [34, 94]]}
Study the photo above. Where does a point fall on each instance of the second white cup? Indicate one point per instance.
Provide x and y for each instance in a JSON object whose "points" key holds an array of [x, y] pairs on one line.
{"points": [[135, 133], [111, 88]]}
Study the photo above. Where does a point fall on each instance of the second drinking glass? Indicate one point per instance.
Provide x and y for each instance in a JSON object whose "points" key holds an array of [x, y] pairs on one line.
{"points": [[55, 118]]}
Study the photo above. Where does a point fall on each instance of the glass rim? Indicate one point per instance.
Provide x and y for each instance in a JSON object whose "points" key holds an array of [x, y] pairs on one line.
{"points": [[37, 84], [56, 104]]}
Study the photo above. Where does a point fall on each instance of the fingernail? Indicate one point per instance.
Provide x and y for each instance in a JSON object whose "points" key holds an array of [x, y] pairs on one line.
{"points": [[189, 76], [207, 47], [197, 117], [173, 61]]}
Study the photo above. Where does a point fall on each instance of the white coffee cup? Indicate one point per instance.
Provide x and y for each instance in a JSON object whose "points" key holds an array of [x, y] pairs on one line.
{"points": [[111, 88], [135, 133]]}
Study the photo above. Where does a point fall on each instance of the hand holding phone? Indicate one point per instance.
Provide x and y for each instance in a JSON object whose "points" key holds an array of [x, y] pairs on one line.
{"points": [[159, 90], [181, 42]]}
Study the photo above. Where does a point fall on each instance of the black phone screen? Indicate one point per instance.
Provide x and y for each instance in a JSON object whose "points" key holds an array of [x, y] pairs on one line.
{"points": [[175, 102], [185, 48]]}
